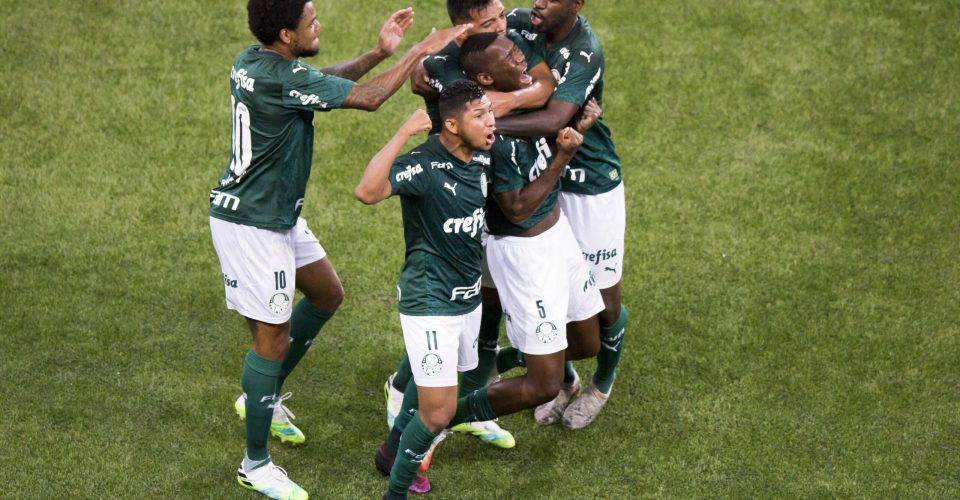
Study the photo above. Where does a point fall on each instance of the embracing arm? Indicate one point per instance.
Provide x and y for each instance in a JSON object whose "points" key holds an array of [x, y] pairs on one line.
{"points": [[375, 91], [518, 205], [375, 185], [532, 97], [544, 122]]}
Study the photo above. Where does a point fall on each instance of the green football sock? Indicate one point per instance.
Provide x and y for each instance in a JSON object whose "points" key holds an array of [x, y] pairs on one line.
{"points": [[486, 353], [260, 383], [411, 401], [414, 444], [569, 373], [305, 323], [473, 408], [404, 374], [508, 359], [611, 347]]}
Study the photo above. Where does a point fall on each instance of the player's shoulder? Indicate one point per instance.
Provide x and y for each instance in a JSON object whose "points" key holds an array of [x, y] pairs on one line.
{"points": [[586, 39], [518, 22]]}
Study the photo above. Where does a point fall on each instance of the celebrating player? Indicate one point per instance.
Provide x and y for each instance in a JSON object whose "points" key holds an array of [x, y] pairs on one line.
{"points": [[592, 196], [442, 187], [265, 249]]}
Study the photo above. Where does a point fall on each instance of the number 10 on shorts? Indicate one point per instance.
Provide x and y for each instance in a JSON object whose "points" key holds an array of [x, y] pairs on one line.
{"points": [[280, 279]]}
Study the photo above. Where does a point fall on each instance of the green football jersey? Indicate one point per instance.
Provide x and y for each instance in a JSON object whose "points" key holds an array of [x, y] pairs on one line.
{"points": [[442, 199], [443, 68], [577, 64], [272, 100], [516, 162]]}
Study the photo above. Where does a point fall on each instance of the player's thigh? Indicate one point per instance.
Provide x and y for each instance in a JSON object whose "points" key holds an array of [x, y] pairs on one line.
{"points": [[258, 269], [440, 346], [533, 292], [599, 223], [316, 277]]}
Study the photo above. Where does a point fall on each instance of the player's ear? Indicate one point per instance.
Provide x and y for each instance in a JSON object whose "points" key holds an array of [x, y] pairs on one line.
{"points": [[452, 126], [286, 36], [484, 79]]}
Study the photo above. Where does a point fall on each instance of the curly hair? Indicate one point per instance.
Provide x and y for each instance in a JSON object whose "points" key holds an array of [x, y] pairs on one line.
{"points": [[459, 10], [456, 96], [267, 17]]}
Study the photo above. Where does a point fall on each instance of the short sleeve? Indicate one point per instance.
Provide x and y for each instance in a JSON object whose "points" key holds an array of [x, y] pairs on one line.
{"points": [[408, 177], [443, 69], [580, 72], [506, 170], [308, 88]]}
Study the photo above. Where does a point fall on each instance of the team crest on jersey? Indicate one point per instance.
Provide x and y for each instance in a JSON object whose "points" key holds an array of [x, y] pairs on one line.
{"points": [[483, 184], [431, 364], [279, 303], [547, 332]]}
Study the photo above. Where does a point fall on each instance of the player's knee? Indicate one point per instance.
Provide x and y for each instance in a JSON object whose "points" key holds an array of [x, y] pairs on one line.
{"points": [[437, 419], [544, 391], [330, 298]]}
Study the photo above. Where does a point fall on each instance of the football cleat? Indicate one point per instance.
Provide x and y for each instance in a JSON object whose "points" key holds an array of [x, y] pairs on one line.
{"points": [[280, 424], [271, 481], [394, 400], [585, 409], [551, 412], [383, 461], [488, 432], [428, 456]]}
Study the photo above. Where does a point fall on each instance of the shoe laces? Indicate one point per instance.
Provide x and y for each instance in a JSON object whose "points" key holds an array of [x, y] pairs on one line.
{"points": [[280, 410]]}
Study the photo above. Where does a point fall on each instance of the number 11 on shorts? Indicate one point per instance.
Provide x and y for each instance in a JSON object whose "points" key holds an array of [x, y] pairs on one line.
{"points": [[434, 333]]}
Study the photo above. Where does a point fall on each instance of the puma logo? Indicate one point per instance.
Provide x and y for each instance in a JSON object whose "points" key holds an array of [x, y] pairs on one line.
{"points": [[299, 68], [588, 56], [453, 188]]}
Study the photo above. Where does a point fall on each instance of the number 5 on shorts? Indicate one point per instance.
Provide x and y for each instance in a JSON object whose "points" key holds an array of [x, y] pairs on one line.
{"points": [[541, 310]]}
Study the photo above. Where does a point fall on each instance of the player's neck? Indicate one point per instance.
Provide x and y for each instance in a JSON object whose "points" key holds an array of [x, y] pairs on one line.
{"points": [[456, 147], [279, 49], [562, 32]]}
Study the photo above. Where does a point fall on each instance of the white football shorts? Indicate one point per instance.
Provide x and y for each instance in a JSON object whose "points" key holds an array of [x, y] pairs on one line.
{"points": [[441, 346], [543, 284], [260, 266], [598, 222]]}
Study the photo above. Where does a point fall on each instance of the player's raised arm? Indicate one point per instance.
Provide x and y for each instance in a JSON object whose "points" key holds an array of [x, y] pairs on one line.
{"points": [[518, 205], [391, 34], [374, 185], [375, 91]]}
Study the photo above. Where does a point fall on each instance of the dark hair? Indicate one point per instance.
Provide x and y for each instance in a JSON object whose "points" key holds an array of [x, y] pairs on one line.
{"points": [[472, 59], [456, 96], [267, 17], [459, 10]]}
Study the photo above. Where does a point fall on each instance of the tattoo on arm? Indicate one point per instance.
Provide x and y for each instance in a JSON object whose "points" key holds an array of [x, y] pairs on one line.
{"points": [[355, 69]]}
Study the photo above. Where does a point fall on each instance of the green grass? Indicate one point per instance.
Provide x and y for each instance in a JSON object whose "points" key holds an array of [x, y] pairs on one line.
{"points": [[792, 271]]}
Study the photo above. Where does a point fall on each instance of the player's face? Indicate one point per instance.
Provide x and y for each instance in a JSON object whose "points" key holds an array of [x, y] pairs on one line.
{"points": [[488, 19], [507, 66], [306, 38], [477, 124], [549, 15]]}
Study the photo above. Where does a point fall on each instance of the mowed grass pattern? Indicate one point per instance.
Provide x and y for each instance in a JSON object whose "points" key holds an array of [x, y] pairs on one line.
{"points": [[792, 259]]}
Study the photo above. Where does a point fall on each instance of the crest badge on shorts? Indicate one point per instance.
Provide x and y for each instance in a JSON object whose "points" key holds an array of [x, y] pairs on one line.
{"points": [[431, 364], [547, 332], [279, 303]]}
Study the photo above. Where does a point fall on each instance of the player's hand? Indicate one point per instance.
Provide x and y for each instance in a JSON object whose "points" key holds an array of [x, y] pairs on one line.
{"points": [[391, 34], [569, 141], [588, 115], [420, 83], [418, 122], [437, 40]]}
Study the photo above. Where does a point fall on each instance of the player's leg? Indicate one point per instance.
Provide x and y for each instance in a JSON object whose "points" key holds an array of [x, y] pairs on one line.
{"points": [[394, 387], [252, 260], [436, 408], [598, 223]]}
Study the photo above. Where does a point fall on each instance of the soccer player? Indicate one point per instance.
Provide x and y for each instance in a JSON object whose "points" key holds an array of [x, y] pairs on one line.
{"points": [[265, 249], [442, 187], [442, 69], [592, 196]]}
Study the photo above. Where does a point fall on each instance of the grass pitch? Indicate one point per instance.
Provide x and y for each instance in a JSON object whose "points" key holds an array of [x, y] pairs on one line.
{"points": [[792, 259]]}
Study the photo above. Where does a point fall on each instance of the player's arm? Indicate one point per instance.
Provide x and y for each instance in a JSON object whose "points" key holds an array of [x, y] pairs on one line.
{"points": [[518, 205], [588, 115], [375, 91], [375, 185], [420, 83], [532, 97], [545, 122], [391, 34]]}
